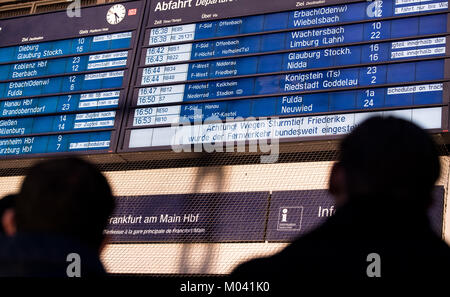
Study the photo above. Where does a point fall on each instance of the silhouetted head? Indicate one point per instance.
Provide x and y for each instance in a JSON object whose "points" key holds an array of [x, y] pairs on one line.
{"points": [[386, 160], [6, 210], [69, 197]]}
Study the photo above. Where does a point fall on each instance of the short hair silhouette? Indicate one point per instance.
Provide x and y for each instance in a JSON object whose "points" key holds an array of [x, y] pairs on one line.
{"points": [[390, 160], [6, 203], [69, 197]]}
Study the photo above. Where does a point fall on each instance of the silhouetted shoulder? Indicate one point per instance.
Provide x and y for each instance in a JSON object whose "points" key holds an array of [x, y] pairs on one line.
{"points": [[341, 248]]}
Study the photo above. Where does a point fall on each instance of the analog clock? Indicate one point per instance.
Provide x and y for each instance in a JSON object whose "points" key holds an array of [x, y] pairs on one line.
{"points": [[116, 14]]}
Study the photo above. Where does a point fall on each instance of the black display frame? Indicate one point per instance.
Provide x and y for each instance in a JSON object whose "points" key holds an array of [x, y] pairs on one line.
{"points": [[58, 35], [184, 16]]}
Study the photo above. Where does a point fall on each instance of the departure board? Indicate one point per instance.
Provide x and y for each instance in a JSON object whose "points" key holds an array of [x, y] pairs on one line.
{"points": [[64, 79], [227, 71], [150, 75]]}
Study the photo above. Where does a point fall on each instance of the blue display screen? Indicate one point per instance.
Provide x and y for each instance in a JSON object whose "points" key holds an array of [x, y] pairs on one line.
{"points": [[74, 46], [63, 84], [59, 104], [60, 90], [365, 56], [66, 122], [298, 60], [71, 90], [64, 65], [55, 143], [329, 15], [313, 103], [307, 38]]}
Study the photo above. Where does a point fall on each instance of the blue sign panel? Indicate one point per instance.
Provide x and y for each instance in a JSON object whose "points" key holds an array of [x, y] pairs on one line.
{"points": [[209, 217], [230, 217]]}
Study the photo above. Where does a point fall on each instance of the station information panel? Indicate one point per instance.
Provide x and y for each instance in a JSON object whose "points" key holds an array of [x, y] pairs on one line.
{"points": [[228, 71], [64, 80], [144, 75]]}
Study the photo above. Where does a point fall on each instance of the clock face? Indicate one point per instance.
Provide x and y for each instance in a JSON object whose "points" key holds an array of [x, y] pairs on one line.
{"points": [[116, 14]]}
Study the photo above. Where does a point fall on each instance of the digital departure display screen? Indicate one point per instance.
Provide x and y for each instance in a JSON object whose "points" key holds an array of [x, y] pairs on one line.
{"points": [[64, 80], [233, 71]]}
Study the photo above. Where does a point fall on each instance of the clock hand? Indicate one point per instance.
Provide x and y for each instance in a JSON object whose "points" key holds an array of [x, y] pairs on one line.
{"points": [[116, 16]]}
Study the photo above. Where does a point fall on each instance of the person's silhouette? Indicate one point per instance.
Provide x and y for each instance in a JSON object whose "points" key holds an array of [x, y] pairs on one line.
{"points": [[61, 210], [7, 226], [382, 184]]}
